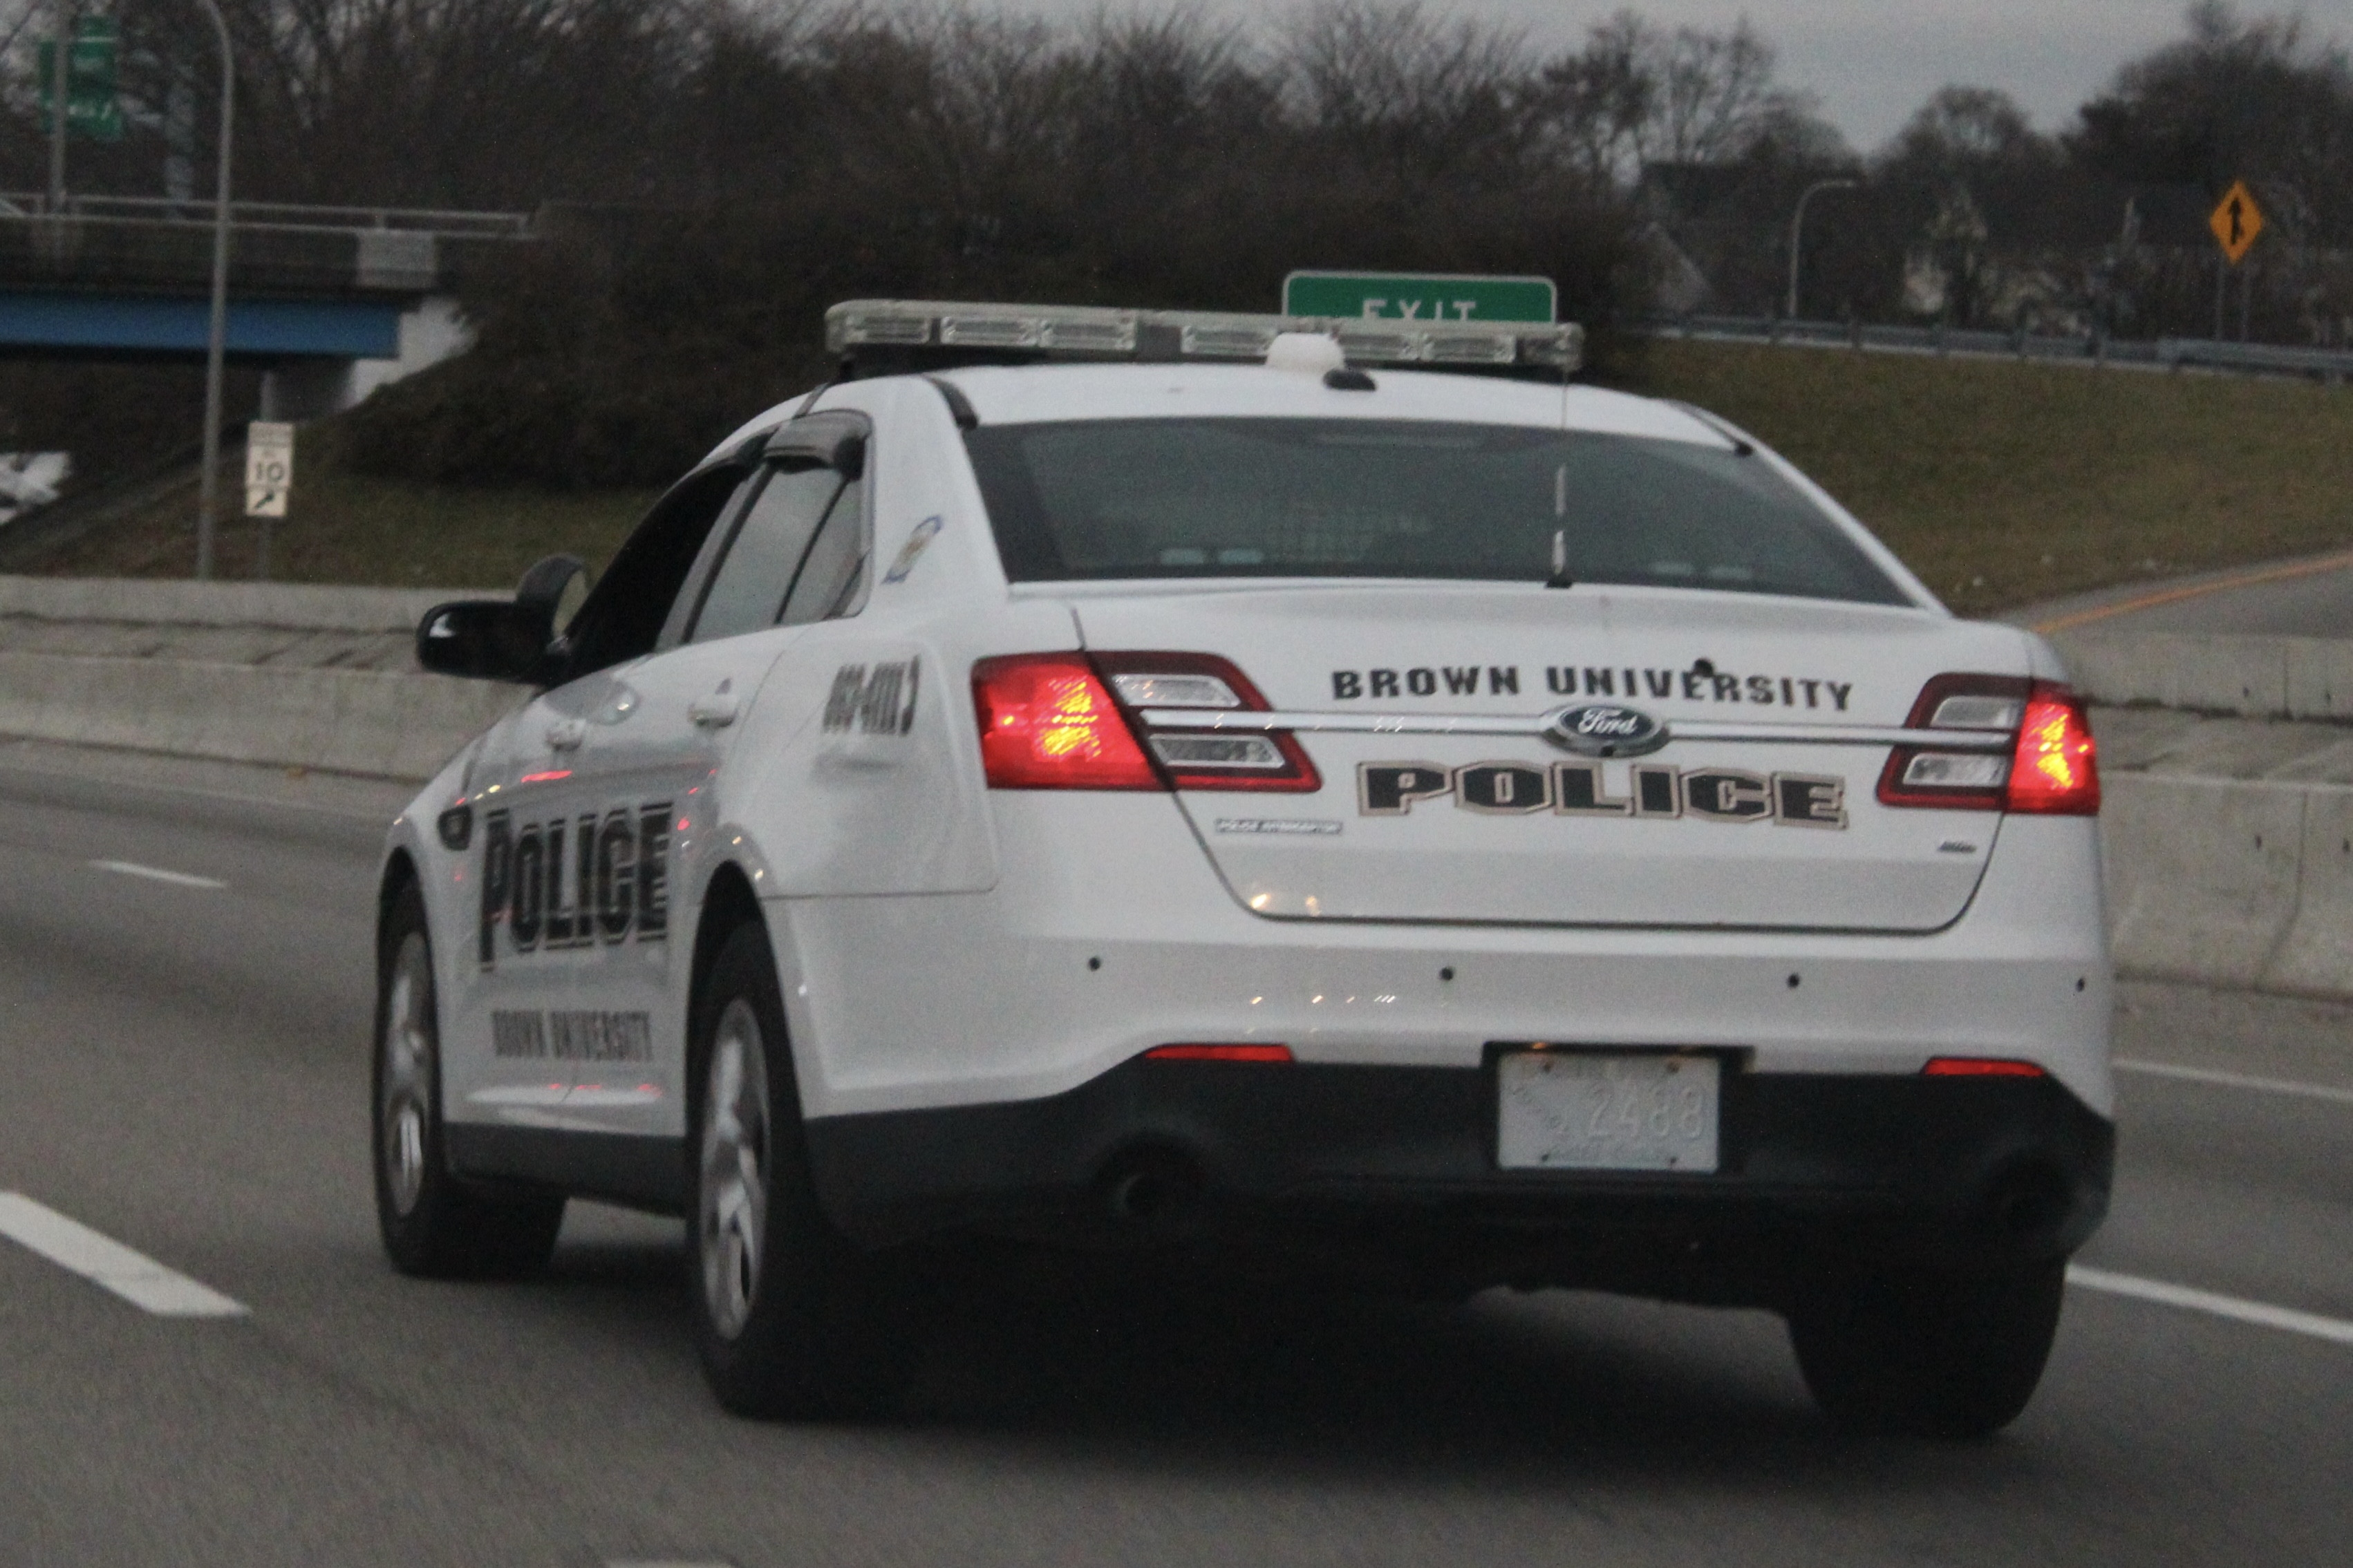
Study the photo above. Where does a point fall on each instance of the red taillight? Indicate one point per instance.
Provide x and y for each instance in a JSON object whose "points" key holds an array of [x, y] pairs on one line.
{"points": [[1979, 1067], [1993, 743], [1129, 720], [1203, 1053], [2056, 769], [1048, 723]]}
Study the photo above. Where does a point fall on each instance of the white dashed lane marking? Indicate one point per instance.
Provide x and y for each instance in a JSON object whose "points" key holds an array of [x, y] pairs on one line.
{"points": [[157, 874], [2237, 1081], [136, 1278], [2260, 1313]]}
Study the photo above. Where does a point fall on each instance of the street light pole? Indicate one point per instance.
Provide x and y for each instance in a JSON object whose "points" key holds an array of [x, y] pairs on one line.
{"points": [[60, 79], [217, 341], [1797, 230]]}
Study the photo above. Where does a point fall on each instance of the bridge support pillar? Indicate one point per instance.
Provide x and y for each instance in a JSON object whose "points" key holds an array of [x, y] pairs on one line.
{"points": [[431, 330]]}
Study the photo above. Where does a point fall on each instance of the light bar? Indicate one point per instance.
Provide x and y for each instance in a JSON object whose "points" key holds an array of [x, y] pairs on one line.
{"points": [[953, 328]]}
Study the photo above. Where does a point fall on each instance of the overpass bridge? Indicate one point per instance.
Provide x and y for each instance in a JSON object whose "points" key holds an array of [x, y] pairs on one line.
{"points": [[330, 302]]}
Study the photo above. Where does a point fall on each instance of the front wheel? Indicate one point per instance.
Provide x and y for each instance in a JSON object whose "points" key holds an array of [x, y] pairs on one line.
{"points": [[1917, 1350], [431, 1224], [793, 1318]]}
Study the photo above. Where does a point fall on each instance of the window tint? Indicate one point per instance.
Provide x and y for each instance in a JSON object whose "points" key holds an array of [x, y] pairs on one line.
{"points": [[624, 616], [1306, 497], [835, 571], [748, 591]]}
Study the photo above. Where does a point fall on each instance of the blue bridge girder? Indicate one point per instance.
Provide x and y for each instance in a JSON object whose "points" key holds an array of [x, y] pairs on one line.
{"points": [[161, 327]]}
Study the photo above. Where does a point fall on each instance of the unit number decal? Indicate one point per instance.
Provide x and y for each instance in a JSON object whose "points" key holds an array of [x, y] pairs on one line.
{"points": [[880, 701]]}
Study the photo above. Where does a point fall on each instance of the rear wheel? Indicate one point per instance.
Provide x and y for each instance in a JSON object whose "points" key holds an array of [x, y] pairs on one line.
{"points": [[792, 1317], [1924, 1352], [432, 1225]]}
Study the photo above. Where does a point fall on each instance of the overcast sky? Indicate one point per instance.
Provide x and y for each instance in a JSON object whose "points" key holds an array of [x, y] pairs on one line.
{"points": [[1872, 62]]}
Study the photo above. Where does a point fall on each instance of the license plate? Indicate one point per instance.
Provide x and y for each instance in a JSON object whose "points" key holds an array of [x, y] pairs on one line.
{"points": [[1600, 1110]]}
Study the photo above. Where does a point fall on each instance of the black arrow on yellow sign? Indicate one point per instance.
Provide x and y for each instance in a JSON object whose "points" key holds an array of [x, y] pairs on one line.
{"points": [[2236, 220]]}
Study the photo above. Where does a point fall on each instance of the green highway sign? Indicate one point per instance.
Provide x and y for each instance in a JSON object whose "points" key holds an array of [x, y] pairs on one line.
{"points": [[92, 111], [1432, 297]]}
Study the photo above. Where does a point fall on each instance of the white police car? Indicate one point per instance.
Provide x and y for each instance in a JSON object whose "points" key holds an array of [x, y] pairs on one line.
{"points": [[1123, 779]]}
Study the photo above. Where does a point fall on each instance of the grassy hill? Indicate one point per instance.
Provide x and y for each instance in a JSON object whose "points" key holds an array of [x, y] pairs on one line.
{"points": [[2003, 483], [355, 528], [2000, 483]]}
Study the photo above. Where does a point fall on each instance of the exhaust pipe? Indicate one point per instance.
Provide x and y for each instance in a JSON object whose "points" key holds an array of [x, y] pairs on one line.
{"points": [[1150, 1188], [2027, 1204]]}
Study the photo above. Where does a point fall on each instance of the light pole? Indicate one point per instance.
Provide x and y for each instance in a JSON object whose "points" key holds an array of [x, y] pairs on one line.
{"points": [[1796, 229], [217, 341], [60, 79]]}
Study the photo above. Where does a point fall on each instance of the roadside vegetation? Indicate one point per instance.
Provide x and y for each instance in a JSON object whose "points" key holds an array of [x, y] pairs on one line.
{"points": [[348, 527], [2002, 483]]}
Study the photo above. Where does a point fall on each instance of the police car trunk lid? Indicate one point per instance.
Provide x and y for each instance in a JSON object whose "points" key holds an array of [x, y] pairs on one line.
{"points": [[1441, 802]]}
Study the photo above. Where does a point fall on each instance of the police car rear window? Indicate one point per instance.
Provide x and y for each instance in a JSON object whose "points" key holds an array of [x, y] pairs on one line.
{"points": [[1306, 497]]}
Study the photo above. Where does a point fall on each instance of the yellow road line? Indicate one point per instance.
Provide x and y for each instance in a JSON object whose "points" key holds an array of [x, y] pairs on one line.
{"points": [[2174, 595]]}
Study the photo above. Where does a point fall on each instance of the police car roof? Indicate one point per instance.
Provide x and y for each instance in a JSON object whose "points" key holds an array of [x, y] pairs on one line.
{"points": [[1044, 394]]}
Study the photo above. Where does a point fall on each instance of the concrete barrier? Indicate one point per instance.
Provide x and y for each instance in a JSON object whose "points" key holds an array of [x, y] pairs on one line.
{"points": [[374, 722], [2230, 881], [2315, 956], [2203, 874], [2259, 677], [164, 602]]}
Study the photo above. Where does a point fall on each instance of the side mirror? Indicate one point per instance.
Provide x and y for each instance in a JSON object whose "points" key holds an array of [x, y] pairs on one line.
{"points": [[543, 586], [486, 639]]}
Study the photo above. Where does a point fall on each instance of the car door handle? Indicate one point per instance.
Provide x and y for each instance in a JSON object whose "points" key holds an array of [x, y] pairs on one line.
{"points": [[566, 734], [713, 712]]}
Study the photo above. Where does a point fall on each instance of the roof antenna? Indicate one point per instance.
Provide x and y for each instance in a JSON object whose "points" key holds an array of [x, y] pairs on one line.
{"points": [[1560, 577]]}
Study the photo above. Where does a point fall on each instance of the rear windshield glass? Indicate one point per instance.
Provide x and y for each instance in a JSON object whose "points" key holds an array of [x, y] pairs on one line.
{"points": [[1310, 498]]}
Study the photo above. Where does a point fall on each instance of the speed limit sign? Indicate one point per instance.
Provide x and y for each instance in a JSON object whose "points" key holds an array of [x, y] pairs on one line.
{"points": [[268, 467]]}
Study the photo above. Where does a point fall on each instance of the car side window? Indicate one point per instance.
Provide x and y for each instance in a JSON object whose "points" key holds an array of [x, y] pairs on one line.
{"points": [[834, 573], [624, 615], [756, 574]]}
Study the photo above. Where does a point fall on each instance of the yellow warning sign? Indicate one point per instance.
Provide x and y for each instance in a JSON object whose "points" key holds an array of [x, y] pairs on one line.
{"points": [[2236, 220]]}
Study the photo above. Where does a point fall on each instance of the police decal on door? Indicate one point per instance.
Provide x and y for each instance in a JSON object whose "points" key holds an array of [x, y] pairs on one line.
{"points": [[575, 882]]}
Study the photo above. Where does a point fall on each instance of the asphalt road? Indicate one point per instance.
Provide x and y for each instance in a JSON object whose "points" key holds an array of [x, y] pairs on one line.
{"points": [[2310, 597], [182, 1068]]}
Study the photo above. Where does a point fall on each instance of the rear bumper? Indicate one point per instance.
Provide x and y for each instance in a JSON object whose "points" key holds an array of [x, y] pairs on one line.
{"points": [[1393, 1168], [1110, 934]]}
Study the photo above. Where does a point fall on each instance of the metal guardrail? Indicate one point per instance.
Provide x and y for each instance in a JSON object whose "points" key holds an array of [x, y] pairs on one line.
{"points": [[2332, 366], [152, 243], [284, 216]]}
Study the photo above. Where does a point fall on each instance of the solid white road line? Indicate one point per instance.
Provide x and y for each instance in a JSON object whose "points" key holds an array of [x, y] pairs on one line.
{"points": [[2311, 1324], [137, 1278], [2236, 1081], [157, 874]]}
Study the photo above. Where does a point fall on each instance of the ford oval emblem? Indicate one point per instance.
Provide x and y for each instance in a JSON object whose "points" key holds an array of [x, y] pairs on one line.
{"points": [[1605, 729]]}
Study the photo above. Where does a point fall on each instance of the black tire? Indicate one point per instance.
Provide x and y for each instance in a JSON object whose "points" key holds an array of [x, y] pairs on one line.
{"points": [[1907, 1350], [433, 1225], [793, 1320]]}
